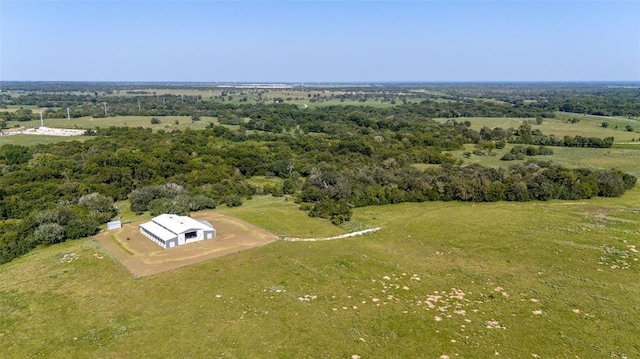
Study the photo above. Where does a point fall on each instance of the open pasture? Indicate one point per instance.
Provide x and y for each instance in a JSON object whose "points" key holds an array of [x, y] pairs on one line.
{"points": [[14, 108], [282, 217], [28, 140], [588, 126], [625, 159], [167, 123], [519, 280]]}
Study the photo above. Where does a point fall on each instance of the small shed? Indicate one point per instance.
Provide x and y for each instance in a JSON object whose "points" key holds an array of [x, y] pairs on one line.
{"points": [[114, 225], [170, 230]]}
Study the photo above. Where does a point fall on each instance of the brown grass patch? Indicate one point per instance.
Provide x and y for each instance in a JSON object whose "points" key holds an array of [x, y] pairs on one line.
{"points": [[143, 257]]}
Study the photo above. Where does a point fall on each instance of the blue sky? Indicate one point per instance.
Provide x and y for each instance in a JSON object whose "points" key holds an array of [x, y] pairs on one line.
{"points": [[319, 41]]}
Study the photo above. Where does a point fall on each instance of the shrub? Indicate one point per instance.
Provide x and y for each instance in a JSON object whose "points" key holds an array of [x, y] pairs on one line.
{"points": [[532, 151], [233, 201], [162, 205], [81, 228], [140, 198], [518, 149], [337, 212], [49, 233], [544, 151], [508, 157]]}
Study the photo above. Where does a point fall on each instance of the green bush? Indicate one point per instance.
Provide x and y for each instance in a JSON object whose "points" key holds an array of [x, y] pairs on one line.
{"points": [[49, 233], [508, 157], [233, 201]]}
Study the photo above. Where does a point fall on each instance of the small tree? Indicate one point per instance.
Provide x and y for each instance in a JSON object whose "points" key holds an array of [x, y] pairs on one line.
{"points": [[508, 157], [49, 233], [604, 124], [155, 121], [629, 128], [99, 206], [233, 200]]}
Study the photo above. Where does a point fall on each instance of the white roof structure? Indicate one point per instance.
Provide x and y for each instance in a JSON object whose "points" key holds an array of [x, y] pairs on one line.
{"points": [[175, 224], [160, 232], [170, 230]]}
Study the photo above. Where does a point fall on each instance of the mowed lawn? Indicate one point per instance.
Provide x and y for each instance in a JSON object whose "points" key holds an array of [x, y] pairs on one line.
{"points": [[517, 280]]}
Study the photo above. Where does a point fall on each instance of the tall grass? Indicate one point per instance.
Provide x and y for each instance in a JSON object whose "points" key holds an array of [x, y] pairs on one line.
{"points": [[552, 279]]}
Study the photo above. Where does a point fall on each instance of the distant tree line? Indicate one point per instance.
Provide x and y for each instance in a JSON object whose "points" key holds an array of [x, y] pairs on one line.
{"points": [[437, 100]]}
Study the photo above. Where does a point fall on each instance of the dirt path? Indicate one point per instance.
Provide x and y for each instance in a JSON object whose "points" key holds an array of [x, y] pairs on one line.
{"points": [[143, 257], [346, 235]]}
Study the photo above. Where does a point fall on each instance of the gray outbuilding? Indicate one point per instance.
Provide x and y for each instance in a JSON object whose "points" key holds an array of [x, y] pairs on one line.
{"points": [[170, 230]]}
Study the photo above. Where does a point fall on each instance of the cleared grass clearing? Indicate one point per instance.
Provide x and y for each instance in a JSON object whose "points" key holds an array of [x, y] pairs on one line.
{"points": [[14, 108], [27, 140], [168, 123], [282, 217], [624, 159], [261, 181], [554, 279], [588, 126]]}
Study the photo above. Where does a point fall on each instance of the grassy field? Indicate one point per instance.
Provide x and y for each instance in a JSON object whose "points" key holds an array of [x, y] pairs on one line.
{"points": [[168, 123], [625, 159], [588, 126], [457, 279], [27, 140], [14, 108], [281, 216], [624, 155]]}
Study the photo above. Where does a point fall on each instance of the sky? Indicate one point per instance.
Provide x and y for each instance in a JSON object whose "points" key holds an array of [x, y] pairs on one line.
{"points": [[320, 40]]}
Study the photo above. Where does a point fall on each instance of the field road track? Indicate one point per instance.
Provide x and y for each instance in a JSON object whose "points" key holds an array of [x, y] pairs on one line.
{"points": [[346, 235]]}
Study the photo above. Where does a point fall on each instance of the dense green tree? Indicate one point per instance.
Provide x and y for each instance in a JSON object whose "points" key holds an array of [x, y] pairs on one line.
{"points": [[49, 233], [15, 155]]}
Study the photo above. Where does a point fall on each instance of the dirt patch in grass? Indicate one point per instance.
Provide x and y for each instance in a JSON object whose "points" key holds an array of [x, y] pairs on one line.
{"points": [[143, 257]]}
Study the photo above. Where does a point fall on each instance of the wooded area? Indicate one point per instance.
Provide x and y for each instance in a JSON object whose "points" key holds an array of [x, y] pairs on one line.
{"points": [[331, 159]]}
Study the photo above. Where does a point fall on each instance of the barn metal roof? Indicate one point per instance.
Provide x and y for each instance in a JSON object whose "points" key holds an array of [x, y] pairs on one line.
{"points": [[158, 231], [179, 224]]}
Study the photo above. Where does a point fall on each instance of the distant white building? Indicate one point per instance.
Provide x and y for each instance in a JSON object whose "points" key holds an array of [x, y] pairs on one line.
{"points": [[114, 225], [170, 230]]}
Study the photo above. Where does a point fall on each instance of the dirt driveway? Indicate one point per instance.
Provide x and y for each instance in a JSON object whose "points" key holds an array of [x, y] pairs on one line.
{"points": [[143, 257]]}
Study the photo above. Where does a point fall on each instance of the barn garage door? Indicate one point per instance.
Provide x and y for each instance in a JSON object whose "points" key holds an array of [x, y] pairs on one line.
{"points": [[191, 237]]}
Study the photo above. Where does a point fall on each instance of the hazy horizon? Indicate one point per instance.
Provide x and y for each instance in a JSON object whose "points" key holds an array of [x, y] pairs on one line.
{"points": [[320, 41]]}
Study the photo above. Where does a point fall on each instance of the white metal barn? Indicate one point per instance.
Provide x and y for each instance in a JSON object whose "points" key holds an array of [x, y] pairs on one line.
{"points": [[170, 230]]}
